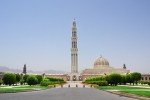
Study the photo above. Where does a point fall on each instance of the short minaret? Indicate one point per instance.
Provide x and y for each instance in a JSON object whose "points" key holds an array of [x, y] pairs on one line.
{"points": [[74, 49], [24, 69], [124, 66]]}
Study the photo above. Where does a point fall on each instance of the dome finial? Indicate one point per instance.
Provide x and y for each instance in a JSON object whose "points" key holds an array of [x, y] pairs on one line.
{"points": [[74, 22]]}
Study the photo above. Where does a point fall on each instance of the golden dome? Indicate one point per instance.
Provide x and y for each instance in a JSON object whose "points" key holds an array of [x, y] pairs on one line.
{"points": [[100, 62]]}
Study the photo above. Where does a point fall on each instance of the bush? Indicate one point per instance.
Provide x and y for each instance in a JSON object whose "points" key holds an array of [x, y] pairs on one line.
{"points": [[21, 82], [40, 78], [99, 80], [143, 82], [51, 81], [9, 79], [100, 83], [149, 83], [18, 77], [135, 77], [25, 78], [128, 79], [114, 78], [1, 82], [32, 80], [123, 80], [55, 79], [44, 83]]}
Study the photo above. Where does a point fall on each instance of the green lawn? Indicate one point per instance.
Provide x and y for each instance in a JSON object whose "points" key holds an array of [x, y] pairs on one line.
{"points": [[140, 93], [21, 89], [127, 89], [34, 87]]}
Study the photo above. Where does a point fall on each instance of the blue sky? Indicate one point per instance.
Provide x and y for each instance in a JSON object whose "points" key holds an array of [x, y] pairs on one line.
{"points": [[38, 33]]}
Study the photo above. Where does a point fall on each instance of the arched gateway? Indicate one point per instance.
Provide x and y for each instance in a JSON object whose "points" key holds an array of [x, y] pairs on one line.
{"points": [[74, 78]]}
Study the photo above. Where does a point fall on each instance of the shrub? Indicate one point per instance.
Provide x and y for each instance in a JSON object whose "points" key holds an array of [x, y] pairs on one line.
{"points": [[21, 82], [18, 77], [143, 82], [123, 80], [9, 79], [40, 78], [114, 78], [1, 82], [51, 81], [149, 83], [102, 83], [99, 80], [32, 80], [135, 77], [128, 79], [55, 79], [25, 78], [107, 78], [44, 83]]}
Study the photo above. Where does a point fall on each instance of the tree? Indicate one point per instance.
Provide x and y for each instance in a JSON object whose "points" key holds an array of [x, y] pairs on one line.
{"points": [[107, 78], [148, 83], [18, 77], [21, 82], [123, 80], [9, 79], [114, 78], [32, 80], [25, 77], [40, 78], [1, 82], [135, 76], [128, 79]]}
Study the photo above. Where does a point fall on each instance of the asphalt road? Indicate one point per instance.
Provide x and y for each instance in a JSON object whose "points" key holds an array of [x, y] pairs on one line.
{"points": [[63, 94]]}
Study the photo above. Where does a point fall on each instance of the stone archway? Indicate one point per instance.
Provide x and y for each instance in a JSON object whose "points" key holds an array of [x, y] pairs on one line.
{"points": [[74, 77]]}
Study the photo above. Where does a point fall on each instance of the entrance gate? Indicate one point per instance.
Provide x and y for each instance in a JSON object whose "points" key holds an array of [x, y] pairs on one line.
{"points": [[74, 78]]}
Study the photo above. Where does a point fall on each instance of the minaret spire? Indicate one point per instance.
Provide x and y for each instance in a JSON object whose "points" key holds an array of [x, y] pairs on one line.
{"points": [[74, 49]]}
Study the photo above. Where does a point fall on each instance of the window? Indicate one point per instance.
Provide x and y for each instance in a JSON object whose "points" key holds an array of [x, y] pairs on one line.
{"points": [[145, 78]]}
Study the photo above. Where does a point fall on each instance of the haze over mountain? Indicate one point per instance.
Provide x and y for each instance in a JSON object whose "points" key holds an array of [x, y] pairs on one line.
{"points": [[10, 70]]}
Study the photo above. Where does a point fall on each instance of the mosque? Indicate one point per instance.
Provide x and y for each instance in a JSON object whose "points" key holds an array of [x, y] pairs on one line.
{"points": [[101, 65]]}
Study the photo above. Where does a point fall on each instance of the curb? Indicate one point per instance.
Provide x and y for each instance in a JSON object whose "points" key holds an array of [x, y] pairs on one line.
{"points": [[129, 95]]}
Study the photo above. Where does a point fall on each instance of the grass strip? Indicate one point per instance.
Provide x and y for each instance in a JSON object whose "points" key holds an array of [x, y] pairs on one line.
{"points": [[127, 89], [21, 89], [140, 93]]}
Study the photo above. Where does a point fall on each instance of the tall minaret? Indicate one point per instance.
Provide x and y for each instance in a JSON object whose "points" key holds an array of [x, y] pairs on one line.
{"points": [[74, 49]]}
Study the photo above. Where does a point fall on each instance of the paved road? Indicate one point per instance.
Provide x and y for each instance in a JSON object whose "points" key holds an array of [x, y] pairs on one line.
{"points": [[63, 94]]}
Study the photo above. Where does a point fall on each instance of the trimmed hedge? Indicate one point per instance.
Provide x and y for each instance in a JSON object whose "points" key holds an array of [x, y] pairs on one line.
{"points": [[1, 82], [44, 83], [99, 80], [100, 83], [144, 82], [51, 81]]}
